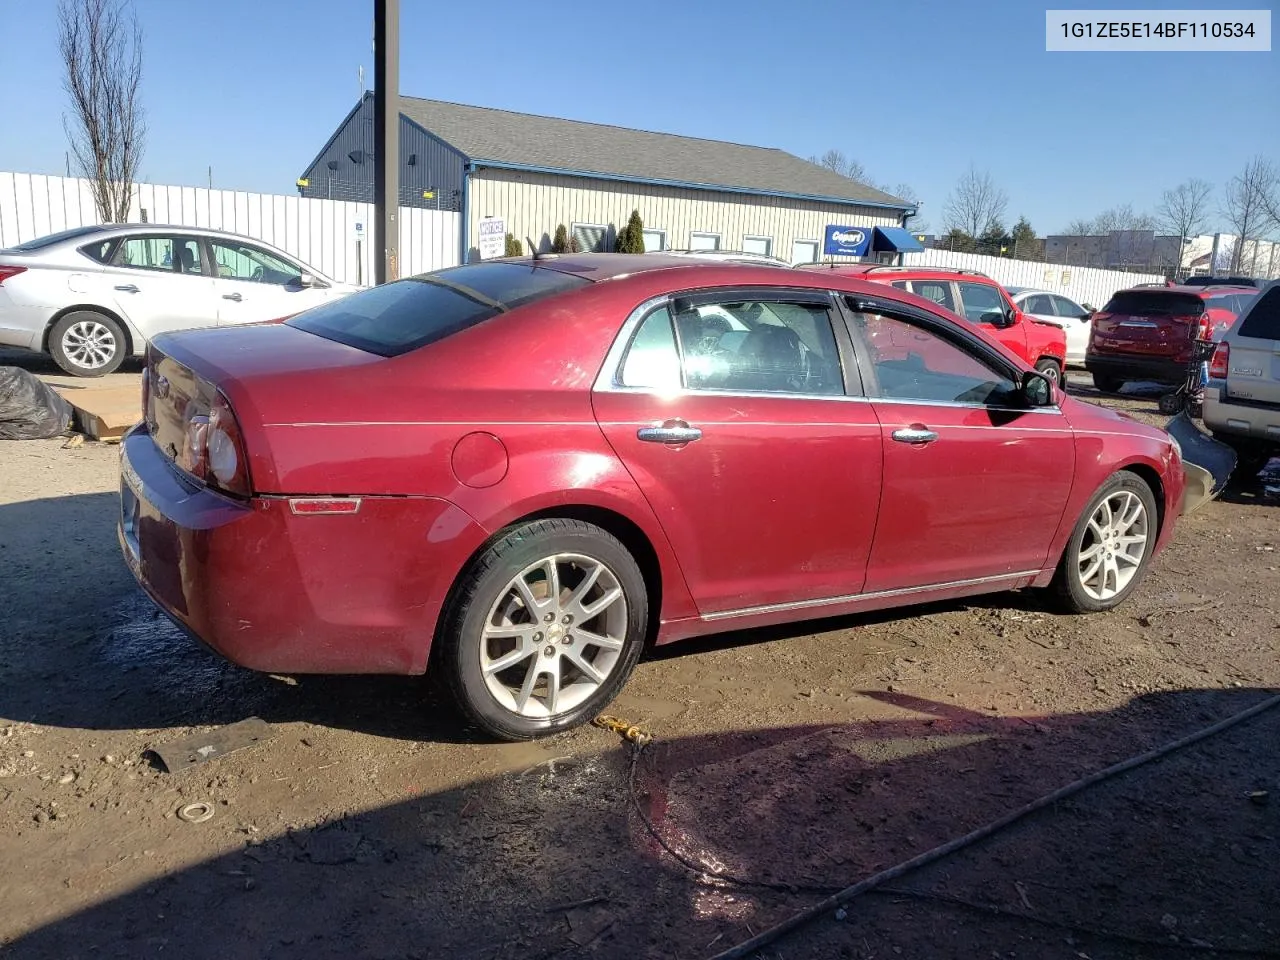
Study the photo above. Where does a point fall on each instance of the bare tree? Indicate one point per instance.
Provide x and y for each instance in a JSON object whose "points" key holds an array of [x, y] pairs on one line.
{"points": [[1079, 228], [1251, 201], [101, 50], [837, 162], [1184, 209], [1122, 217], [974, 205]]}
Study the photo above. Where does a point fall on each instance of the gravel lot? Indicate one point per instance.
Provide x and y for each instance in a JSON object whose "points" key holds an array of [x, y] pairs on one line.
{"points": [[797, 759]]}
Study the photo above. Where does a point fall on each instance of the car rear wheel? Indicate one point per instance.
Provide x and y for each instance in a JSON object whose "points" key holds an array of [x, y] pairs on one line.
{"points": [[1106, 383], [1110, 548], [547, 625], [86, 343], [1051, 369]]}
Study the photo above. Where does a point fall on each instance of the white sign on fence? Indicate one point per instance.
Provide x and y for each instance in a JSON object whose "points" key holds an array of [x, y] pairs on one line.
{"points": [[493, 238], [357, 231]]}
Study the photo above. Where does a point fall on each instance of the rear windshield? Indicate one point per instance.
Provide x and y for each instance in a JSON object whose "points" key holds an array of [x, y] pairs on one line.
{"points": [[1263, 321], [399, 317], [41, 242], [1154, 303]]}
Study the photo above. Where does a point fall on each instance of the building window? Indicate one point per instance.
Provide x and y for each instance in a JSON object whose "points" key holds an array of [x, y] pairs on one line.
{"points": [[591, 237], [704, 241], [655, 240], [760, 245], [804, 251]]}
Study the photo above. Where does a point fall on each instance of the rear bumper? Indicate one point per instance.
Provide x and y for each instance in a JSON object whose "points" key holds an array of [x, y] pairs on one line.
{"points": [[278, 592], [1255, 421], [1124, 367]]}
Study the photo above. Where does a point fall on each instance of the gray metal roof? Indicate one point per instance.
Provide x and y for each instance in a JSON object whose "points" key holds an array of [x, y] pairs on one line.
{"points": [[502, 137]]}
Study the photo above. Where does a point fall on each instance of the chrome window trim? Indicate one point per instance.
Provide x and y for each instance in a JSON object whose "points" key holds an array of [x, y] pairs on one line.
{"points": [[853, 597], [609, 378]]}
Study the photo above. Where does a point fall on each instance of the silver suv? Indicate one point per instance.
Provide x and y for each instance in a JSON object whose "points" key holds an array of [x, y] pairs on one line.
{"points": [[1242, 401]]}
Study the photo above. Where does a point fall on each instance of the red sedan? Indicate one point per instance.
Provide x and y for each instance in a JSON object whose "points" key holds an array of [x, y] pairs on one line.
{"points": [[521, 472]]}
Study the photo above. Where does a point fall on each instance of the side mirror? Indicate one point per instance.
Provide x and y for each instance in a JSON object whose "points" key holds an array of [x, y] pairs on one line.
{"points": [[306, 280], [997, 318], [1036, 389], [1086, 316], [1089, 307]]}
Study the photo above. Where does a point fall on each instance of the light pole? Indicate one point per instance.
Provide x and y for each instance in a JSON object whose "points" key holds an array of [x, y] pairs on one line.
{"points": [[386, 139]]}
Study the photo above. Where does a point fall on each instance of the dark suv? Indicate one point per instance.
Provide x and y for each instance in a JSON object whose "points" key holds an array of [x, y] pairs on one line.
{"points": [[1146, 333]]}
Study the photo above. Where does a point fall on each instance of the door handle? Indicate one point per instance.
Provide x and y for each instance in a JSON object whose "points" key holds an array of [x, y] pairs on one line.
{"points": [[917, 436], [232, 296], [671, 432], [127, 288]]}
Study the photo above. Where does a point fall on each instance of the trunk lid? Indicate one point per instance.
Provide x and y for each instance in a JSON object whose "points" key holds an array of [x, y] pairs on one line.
{"points": [[1157, 323]]}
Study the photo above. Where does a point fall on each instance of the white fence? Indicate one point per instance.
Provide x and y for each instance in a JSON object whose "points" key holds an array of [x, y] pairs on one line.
{"points": [[1082, 284], [320, 233]]}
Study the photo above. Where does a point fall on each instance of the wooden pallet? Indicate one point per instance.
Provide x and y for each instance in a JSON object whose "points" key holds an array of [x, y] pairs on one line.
{"points": [[104, 413]]}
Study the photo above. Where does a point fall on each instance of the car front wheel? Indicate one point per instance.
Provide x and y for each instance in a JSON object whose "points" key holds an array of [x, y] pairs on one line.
{"points": [[1110, 547], [86, 343], [546, 627], [1051, 369]]}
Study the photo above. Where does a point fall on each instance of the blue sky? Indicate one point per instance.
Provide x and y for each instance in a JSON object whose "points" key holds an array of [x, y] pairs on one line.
{"points": [[914, 90]]}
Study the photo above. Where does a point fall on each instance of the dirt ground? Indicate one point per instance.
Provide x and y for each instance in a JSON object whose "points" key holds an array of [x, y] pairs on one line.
{"points": [[798, 760]]}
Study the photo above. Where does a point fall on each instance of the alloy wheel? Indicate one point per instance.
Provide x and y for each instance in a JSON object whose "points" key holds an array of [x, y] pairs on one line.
{"points": [[1114, 545], [89, 344], [554, 635]]}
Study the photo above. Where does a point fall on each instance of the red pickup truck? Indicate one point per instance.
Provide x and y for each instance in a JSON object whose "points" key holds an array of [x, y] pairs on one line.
{"points": [[978, 299]]}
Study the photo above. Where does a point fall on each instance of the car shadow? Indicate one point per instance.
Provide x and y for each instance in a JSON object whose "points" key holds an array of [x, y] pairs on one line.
{"points": [[557, 861], [85, 648]]}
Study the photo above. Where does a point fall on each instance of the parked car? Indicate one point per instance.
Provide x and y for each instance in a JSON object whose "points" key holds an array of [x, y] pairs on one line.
{"points": [[1048, 307], [1146, 333], [92, 296], [1242, 399], [523, 472], [1256, 283], [978, 299]]}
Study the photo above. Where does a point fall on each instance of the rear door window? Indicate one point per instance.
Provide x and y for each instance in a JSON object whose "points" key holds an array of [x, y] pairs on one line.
{"points": [[1262, 322], [939, 291], [1154, 303], [396, 318], [1039, 304]]}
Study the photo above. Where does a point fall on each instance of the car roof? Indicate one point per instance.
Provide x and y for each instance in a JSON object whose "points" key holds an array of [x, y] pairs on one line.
{"points": [[881, 270], [607, 266]]}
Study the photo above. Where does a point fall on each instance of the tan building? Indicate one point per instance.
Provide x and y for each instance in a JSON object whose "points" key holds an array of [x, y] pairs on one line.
{"points": [[536, 173]]}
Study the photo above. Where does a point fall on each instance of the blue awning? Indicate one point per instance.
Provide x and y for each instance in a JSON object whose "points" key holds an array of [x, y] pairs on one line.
{"points": [[894, 240]]}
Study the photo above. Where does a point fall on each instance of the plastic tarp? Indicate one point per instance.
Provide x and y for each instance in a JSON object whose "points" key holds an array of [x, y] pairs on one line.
{"points": [[29, 408]]}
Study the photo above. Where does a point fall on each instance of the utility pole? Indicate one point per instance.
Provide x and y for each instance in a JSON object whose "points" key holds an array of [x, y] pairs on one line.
{"points": [[386, 139]]}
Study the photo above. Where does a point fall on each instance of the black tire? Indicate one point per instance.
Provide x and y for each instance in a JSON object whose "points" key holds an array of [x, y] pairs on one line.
{"points": [[486, 582], [1107, 383], [1052, 369], [81, 325], [1067, 585]]}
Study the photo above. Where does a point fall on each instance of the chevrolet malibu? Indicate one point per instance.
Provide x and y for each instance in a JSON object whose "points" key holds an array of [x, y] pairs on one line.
{"points": [[519, 473]]}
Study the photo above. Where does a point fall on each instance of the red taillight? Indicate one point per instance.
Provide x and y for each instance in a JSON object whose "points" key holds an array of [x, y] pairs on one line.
{"points": [[1202, 328], [1221, 360], [213, 450], [9, 271]]}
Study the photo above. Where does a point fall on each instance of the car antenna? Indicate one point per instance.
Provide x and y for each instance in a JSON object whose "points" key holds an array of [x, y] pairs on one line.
{"points": [[536, 254]]}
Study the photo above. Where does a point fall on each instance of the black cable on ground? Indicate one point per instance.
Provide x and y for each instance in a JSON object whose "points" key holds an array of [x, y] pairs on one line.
{"points": [[937, 853], [1097, 933]]}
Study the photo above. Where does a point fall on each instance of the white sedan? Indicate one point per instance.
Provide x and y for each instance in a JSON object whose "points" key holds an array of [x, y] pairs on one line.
{"points": [[1061, 312], [94, 295]]}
